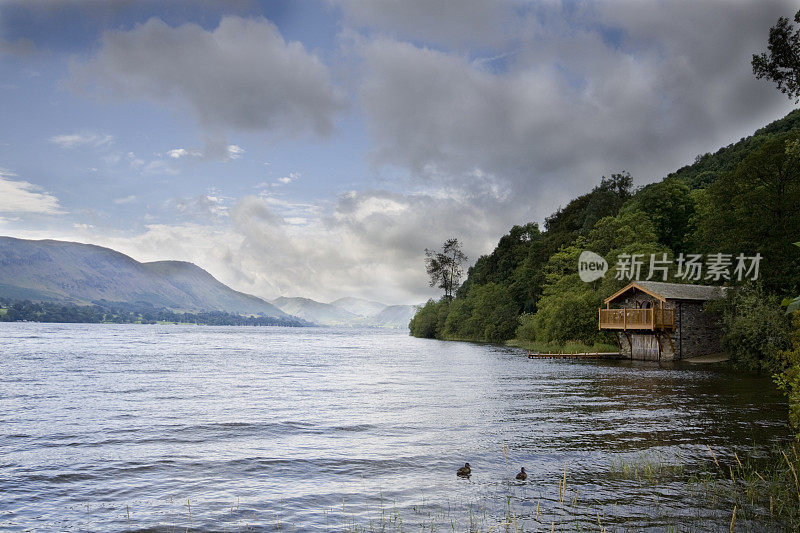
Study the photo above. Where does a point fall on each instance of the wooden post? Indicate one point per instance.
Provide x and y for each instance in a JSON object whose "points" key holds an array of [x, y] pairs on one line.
{"points": [[624, 319]]}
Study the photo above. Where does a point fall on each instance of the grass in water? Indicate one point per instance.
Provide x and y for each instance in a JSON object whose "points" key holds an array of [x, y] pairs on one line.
{"points": [[567, 347], [650, 469]]}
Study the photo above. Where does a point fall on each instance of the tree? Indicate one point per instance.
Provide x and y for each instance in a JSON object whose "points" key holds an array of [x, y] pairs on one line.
{"points": [[425, 322], [756, 209], [755, 329], [782, 65], [445, 267], [670, 206]]}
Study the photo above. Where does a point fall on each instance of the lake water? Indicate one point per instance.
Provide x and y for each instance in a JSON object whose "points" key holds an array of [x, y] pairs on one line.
{"points": [[118, 427]]}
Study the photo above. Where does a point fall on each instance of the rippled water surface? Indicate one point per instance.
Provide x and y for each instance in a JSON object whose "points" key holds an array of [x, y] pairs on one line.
{"points": [[162, 428]]}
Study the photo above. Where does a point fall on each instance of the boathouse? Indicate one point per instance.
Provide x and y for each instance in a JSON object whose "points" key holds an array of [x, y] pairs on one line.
{"points": [[659, 321]]}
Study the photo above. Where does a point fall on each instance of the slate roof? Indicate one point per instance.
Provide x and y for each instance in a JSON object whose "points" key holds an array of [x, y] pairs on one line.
{"points": [[674, 291]]}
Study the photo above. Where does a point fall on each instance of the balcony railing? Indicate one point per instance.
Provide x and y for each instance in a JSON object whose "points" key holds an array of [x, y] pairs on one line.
{"points": [[647, 319]]}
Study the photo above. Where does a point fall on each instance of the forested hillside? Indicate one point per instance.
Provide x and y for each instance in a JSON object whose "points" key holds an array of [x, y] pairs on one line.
{"points": [[745, 198]]}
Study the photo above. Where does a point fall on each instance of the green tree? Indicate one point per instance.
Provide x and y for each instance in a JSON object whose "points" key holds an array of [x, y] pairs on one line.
{"points": [[425, 322], [670, 206], [789, 379], [445, 268], [756, 209], [488, 313], [782, 65], [755, 329], [580, 214], [567, 310]]}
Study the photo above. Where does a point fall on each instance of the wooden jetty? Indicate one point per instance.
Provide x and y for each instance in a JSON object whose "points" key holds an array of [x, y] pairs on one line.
{"points": [[583, 355]]}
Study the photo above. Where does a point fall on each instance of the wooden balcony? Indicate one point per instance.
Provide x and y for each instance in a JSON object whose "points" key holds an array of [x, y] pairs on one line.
{"points": [[640, 319]]}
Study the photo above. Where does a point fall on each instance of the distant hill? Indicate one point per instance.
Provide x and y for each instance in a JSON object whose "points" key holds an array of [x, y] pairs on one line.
{"points": [[348, 312], [318, 312], [394, 316], [359, 306], [82, 273]]}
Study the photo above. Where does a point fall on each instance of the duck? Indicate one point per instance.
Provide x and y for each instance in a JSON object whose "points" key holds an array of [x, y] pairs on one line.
{"points": [[464, 471], [522, 476]]}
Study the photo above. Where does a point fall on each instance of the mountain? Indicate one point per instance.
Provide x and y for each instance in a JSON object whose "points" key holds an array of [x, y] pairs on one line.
{"points": [[318, 312], [394, 316], [359, 306], [348, 312], [76, 273]]}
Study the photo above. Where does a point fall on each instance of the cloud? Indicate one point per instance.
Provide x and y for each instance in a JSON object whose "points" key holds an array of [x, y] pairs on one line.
{"points": [[218, 150], [368, 243], [125, 200], [293, 176], [23, 197], [204, 207], [76, 140], [177, 153], [242, 75], [586, 92], [466, 22]]}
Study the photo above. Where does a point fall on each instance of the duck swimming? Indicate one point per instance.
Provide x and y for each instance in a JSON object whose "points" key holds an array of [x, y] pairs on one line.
{"points": [[522, 476], [464, 471]]}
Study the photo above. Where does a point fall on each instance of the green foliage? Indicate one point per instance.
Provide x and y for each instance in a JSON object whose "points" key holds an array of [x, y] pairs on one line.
{"points": [[580, 215], [567, 310], [670, 206], [567, 316], [782, 65], [756, 209], [792, 305], [755, 329], [707, 167], [521, 244], [428, 322], [789, 379], [488, 313]]}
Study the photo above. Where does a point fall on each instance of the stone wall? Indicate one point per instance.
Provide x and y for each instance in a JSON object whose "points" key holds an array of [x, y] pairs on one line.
{"points": [[696, 331]]}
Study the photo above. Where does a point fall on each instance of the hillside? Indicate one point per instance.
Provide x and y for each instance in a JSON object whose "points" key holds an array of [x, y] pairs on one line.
{"points": [[76, 273], [317, 312], [348, 312], [394, 316], [706, 168], [359, 306]]}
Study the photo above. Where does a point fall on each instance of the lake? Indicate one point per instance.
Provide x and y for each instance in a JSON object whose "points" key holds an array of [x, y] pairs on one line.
{"points": [[162, 428]]}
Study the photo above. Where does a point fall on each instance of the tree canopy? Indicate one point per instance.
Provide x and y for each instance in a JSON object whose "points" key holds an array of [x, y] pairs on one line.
{"points": [[445, 268], [782, 62]]}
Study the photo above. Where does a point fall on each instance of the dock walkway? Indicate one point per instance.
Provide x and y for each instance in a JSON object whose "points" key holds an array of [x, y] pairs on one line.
{"points": [[584, 355]]}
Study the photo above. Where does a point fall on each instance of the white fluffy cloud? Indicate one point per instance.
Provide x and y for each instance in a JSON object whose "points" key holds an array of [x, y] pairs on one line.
{"points": [[75, 140], [242, 75], [368, 243], [17, 196]]}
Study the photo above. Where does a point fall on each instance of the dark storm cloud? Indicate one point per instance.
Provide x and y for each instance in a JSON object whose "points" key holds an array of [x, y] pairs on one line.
{"points": [[581, 92]]}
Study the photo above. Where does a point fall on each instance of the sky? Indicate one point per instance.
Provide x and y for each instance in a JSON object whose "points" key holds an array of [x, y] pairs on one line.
{"points": [[316, 148]]}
